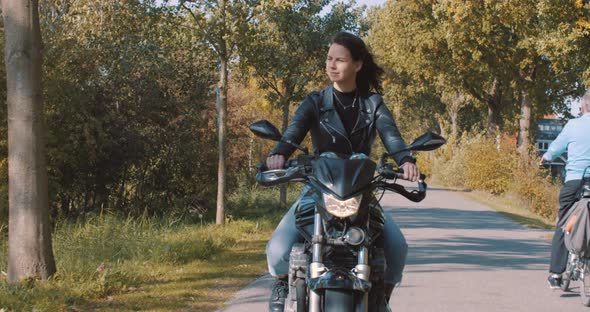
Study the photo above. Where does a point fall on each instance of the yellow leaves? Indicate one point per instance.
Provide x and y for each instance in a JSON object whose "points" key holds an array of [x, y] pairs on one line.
{"points": [[583, 6], [583, 23], [458, 10]]}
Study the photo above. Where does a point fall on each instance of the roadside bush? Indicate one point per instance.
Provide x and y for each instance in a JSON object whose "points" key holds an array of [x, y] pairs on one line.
{"points": [[448, 165], [536, 188], [477, 162], [424, 161], [486, 166]]}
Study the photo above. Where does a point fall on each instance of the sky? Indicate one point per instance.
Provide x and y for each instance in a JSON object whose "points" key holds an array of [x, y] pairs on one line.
{"points": [[370, 2]]}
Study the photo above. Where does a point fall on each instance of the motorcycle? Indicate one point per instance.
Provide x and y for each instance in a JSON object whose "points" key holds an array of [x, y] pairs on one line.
{"points": [[341, 265]]}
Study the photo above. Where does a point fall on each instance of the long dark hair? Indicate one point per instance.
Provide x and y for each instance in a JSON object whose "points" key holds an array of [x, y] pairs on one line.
{"points": [[370, 75]]}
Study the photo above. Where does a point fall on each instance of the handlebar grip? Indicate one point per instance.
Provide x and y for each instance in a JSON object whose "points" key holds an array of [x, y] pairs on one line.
{"points": [[291, 163], [421, 185], [397, 172], [261, 167]]}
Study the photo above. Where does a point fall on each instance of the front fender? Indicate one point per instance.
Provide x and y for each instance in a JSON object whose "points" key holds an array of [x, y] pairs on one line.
{"points": [[338, 279]]}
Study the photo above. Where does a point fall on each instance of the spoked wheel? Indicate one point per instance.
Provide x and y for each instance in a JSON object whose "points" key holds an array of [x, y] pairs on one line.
{"points": [[567, 275], [585, 287]]}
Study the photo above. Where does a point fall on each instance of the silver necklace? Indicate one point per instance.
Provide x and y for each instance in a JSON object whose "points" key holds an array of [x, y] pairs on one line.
{"points": [[342, 105]]}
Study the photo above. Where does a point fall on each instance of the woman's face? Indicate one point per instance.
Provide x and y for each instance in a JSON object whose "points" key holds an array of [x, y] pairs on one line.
{"points": [[340, 66]]}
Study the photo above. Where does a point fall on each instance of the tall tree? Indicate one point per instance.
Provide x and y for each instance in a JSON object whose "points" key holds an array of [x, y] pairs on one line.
{"points": [[409, 41], [222, 23], [128, 108], [486, 49], [30, 252], [565, 37], [285, 49]]}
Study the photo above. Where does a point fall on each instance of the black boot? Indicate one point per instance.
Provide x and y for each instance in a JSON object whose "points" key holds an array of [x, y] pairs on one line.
{"points": [[280, 289]]}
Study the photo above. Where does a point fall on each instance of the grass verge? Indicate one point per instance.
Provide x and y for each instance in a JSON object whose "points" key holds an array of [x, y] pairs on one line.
{"points": [[512, 207], [110, 263]]}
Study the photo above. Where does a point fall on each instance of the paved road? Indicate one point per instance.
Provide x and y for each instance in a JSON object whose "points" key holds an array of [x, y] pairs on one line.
{"points": [[463, 257]]}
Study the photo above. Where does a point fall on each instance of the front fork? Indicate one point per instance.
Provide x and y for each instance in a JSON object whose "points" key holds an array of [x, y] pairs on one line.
{"points": [[317, 267]]}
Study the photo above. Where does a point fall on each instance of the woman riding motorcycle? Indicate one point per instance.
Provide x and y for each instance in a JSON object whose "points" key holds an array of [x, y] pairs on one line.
{"points": [[344, 118]]}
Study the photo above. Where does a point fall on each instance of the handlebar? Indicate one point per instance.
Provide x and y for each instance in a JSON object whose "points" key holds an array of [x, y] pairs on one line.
{"points": [[388, 172], [279, 176], [415, 196], [298, 170]]}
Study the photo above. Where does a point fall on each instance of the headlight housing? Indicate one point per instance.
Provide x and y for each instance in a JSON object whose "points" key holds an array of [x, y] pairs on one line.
{"points": [[342, 208]]}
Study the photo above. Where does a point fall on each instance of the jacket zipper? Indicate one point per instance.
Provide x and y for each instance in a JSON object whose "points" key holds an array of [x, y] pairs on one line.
{"points": [[334, 138], [328, 130]]}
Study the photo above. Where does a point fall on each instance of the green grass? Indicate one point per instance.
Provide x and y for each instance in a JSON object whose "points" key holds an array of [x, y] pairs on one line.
{"points": [[113, 263]]}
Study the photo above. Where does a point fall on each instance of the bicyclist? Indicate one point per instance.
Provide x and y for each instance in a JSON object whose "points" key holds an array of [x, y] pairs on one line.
{"points": [[574, 138]]}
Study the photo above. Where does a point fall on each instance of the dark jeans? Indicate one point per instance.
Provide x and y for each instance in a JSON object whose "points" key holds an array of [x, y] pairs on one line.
{"points": [[286, 234], [567, 198]]}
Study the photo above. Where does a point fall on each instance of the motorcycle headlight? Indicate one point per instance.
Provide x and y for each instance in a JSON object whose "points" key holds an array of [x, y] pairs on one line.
{"points": [[342, 208]]}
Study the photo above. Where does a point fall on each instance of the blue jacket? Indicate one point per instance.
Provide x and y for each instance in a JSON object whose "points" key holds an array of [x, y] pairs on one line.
{"points": [[575, 137]]}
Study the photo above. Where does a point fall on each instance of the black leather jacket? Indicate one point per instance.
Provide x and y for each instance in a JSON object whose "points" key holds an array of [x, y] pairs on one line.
{"points": [[318, 115]]}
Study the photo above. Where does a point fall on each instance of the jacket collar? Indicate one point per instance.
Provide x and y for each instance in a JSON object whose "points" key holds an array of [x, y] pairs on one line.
{"points": [[331, 116]]}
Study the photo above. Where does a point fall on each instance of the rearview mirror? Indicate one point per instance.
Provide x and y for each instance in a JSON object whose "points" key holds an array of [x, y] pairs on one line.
{"points": [[265, 130], [427, 142]]}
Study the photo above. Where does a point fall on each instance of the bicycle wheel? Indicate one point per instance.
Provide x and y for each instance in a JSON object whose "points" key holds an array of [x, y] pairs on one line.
{"points": [[585, 287], [566, 277]]}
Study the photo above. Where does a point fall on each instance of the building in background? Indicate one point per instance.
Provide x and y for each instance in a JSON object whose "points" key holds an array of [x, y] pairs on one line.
{"points": [[548, 129]]}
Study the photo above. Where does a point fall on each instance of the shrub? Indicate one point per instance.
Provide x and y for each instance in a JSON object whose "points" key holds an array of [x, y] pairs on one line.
{"points": [[448, 165], [488, 167], [425, 163], [481, 163], [536, 188]]}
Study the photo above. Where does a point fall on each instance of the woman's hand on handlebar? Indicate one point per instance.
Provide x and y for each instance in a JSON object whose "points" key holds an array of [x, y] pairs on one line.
{"points": [[275, 162], [411, 172]]}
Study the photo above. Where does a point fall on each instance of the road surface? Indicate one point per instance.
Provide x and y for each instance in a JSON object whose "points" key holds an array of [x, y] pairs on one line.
{"points": [[463, 257]]}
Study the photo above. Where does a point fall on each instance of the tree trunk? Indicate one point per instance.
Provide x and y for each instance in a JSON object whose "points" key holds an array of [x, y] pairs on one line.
{"points": [[120, 201], [442, 125], [494, 106], [250, 152], [220, 216], [30, 252], [285, 102], [454, 126], [525, 124], [453, 103], [283, 193]]}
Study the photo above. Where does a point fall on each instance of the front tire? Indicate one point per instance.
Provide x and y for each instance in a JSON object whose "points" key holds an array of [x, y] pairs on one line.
{"points": [[338, 300], [585, 287], [567, 275], [301, 289]]}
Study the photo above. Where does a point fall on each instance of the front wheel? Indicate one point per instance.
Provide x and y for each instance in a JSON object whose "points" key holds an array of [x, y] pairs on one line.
{"points": [[301, 289], [338, 300], [585, 289], [567, 275]]}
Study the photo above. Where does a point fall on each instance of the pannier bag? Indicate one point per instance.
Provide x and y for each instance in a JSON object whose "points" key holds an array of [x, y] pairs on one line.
{"points": [[576, 227]]}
